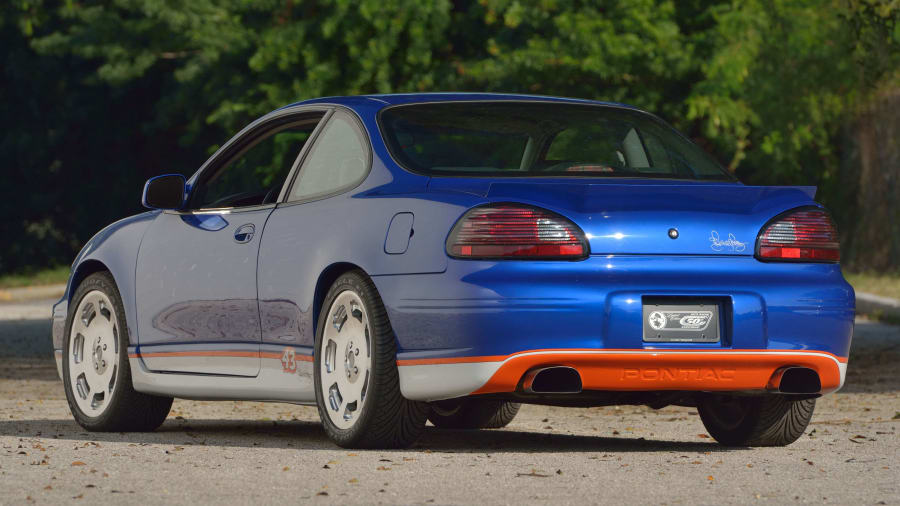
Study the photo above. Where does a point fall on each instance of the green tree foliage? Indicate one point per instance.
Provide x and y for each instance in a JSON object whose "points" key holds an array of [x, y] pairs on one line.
{"points": [[620, 51], [782, 77], [98, 95]]}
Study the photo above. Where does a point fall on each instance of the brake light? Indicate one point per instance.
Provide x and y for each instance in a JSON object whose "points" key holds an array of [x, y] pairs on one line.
{"points": [[515, 231], [802, 236]]}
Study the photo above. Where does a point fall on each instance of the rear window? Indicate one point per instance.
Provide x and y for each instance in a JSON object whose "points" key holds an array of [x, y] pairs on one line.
{"points": [[527, 139]]}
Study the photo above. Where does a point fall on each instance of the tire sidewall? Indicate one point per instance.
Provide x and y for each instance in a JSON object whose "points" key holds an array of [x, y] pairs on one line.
{"points": [[770, 420], [103, 282], [709, 412], [349, 437]]}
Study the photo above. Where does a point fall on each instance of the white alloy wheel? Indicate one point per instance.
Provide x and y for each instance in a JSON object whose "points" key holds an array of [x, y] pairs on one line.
{"points": [[346, 359], [93, 354]]}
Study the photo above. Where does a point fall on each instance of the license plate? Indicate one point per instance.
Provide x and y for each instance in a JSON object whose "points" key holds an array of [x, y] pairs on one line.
{"points": [[681, 323]]}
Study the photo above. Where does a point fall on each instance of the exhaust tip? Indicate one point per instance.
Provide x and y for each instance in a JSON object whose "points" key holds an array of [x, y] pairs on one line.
{"points": [[552, 380], [798, 380]]}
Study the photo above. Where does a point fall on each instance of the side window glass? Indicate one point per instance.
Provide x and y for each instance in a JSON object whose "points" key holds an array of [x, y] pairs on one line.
{"points": [[255, 175], [338, 159], [661, 162]]}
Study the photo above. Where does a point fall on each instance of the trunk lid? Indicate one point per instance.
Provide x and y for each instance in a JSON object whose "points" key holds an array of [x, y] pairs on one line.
{"points": [[635, 217]]}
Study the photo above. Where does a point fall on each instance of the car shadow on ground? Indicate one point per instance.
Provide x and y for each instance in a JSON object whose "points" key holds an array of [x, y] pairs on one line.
{"points": [[304, 435]]}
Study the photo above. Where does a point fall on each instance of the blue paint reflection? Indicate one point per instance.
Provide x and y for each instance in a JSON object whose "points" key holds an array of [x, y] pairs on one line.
{"points": [[210, 222]]}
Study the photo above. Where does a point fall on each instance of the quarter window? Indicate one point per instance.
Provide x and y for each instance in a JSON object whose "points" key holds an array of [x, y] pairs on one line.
{"points": [[337, 160]]}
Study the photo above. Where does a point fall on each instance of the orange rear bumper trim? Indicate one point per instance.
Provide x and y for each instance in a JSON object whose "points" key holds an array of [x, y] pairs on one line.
{"points": [[621, 370]]}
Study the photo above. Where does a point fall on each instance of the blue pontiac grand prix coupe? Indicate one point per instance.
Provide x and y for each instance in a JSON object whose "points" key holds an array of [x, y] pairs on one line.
{"points": [[394, 259]]}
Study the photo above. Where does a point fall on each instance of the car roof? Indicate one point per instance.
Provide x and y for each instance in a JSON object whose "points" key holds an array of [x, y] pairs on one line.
{"points": [[413, 98]]}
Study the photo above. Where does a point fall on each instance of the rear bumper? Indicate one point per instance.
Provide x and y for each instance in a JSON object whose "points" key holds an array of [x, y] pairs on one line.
{"points": [[479, 326], [619, 370]]}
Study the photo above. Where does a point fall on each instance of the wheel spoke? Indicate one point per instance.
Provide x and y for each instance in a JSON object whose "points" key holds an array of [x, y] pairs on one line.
{"points": [[350, 399], [355, 389], [77, 369], [335, 399], [339, 318], [104, 380], [78, 327]]}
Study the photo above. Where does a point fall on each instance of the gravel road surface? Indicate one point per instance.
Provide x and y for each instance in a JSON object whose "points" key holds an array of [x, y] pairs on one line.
{"points": [[243, 452]]}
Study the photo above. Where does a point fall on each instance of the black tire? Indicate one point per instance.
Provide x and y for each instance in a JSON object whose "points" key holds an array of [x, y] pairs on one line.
{"points": [[765, 420], [386, 419], [128, 410], [469, 413]]}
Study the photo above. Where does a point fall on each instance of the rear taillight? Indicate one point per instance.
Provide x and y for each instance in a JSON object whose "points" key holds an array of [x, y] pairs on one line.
{"points": [[806, 235], [516, 231]]}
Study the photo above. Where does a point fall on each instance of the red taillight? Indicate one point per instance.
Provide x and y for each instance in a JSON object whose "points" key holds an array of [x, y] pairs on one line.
{"points": [[515, 231], [801, 236]]}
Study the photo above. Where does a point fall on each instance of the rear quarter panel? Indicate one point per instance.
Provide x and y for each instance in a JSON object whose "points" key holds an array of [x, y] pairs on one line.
{"points": [[301, 242]]}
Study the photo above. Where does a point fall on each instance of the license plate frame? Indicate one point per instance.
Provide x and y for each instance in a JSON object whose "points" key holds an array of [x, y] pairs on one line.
{"points": [[688, 321]]}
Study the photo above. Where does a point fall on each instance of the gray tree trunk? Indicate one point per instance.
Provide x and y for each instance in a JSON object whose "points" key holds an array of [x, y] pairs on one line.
{"points": [[871, 175]]}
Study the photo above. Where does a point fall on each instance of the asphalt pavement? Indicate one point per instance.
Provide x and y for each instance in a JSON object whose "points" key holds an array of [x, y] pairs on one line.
{"points": [[267, 453]]}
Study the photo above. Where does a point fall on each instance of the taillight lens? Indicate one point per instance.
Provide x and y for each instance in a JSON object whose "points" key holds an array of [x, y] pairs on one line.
{"points": [[801, 236], [515, 231]]}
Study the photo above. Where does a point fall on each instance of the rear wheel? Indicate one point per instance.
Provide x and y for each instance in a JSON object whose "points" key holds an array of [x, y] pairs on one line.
{"points": [[356, 380], [472, 413], [96, 372], [765, 420]]}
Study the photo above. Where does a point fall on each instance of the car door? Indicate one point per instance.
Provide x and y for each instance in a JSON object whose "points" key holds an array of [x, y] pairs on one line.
{"points": [[307, 226], [196, 275]]}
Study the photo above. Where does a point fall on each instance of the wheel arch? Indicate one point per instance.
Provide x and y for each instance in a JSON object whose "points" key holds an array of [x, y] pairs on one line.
{"points": [[326, 278], [82, 271], [115, 250]]}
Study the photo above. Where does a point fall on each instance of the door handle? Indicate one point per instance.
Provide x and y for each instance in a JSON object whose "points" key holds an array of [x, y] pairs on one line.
{"points": [[244, 233]]}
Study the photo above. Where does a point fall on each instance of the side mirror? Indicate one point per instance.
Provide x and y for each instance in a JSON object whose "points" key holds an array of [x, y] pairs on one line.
{"points": [[164, 192]]}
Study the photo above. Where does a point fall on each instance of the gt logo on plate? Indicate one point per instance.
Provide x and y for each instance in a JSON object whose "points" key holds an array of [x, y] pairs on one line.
{"points": [[696, 321]]}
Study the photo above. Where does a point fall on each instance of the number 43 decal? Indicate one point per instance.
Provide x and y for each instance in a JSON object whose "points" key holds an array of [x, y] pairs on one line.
{"points": [[289, 361]]}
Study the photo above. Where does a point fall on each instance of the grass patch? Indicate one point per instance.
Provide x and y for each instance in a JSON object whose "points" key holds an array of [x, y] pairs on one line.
{"points": [[881, 317], [886, 285], [51, 276]]}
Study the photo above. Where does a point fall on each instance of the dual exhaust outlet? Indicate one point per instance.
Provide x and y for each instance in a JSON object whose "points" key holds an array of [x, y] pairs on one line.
{"points": [[557, 379], [795, 380], [567, 380]]}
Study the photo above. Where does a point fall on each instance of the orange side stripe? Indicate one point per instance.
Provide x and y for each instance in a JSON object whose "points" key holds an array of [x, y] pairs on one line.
{"points": [[452, 360]]}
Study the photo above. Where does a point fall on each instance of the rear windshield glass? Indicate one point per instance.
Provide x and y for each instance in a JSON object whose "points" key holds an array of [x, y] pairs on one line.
{"points": [[540, 139]]}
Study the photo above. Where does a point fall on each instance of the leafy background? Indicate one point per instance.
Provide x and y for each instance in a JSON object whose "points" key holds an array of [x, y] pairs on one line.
{"points": [[97, 96]]}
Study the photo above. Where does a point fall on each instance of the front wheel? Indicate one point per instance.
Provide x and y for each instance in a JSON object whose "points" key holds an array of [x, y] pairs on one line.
{"points": [[356, 380], [96, 372], [764, 420]]}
